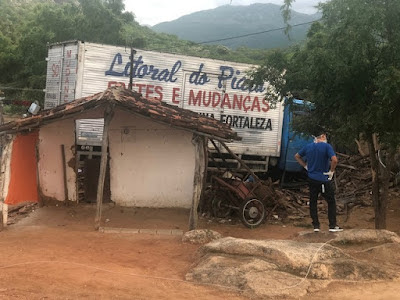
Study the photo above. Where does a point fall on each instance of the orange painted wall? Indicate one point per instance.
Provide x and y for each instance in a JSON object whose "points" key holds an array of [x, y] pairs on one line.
{"points": [[23, 179]]}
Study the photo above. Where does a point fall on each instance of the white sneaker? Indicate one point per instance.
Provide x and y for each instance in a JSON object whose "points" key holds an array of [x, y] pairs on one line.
{"points": [[335, 229], [316, 229]]}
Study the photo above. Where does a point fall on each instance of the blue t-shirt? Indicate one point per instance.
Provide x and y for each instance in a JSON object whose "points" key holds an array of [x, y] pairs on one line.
{"points": [[318, 156]]}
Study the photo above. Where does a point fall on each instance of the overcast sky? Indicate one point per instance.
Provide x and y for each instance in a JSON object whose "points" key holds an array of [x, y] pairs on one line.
{"points": [[151, 12]]}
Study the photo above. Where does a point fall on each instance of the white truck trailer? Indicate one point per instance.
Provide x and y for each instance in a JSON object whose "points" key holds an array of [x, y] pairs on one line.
{"points": [[211, 87]]}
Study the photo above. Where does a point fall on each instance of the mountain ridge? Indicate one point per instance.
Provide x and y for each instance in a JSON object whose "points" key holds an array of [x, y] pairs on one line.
{"points": [[230, 21]]}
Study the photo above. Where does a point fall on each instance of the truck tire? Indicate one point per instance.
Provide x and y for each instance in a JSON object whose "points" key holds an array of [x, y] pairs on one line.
{"points": [[252, 212]]}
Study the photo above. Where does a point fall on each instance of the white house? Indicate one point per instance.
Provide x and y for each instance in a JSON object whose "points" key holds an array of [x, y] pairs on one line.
{"points": [[151, 153]]}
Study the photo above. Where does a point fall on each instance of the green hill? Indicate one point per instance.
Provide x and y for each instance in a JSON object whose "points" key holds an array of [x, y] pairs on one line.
{"points": [[229, 21]]}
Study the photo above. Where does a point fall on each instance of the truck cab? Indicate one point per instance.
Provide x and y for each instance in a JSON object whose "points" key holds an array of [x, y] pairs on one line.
{"points": [[293, 141]]}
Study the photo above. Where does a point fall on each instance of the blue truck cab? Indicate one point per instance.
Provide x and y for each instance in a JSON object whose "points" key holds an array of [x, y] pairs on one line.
{"points": [[292, 141]]}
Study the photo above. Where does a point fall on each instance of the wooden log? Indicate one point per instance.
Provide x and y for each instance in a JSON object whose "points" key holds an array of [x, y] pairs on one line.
{"points": [[346, 166], [108, 114], [293, 207], [198, 179], [343, 155], [342, 174]]}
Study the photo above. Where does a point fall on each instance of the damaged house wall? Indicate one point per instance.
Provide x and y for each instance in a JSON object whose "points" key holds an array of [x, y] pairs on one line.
{"points": [[51, 174], [152, 165], [153, 157], [22, 185]]}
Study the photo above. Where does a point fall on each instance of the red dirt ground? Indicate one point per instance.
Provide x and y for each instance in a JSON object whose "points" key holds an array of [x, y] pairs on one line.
{"points": [[54, 253]]}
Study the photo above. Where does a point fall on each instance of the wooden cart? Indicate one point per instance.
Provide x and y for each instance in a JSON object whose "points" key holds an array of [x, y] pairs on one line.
{"points": [[248, 196]]}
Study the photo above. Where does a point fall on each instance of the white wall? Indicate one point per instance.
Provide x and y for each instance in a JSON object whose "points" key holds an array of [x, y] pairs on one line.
{"points": [[51, 176], [152, 165], [51, 137]]}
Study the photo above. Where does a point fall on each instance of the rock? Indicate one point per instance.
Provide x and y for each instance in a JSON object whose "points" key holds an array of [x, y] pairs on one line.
{"points": [[276, 268], [356, 236], [200, 236], [254, 277], [386, 254], [288, 255]]}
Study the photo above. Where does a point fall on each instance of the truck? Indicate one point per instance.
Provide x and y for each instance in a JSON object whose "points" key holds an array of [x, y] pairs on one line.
{"points": [[210, 87]]}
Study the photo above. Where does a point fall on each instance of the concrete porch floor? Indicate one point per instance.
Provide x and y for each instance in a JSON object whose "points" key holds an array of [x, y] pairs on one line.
{"points": [[82, 216], [161, 221]]}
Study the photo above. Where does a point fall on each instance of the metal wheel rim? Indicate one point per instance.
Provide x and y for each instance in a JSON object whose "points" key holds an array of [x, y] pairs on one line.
{"points": [[253, 212], [220, 207]]}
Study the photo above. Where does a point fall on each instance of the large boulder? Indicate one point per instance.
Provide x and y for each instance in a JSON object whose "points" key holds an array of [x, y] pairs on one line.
{"points": [[252, 276], [279, 267], [317, 260]]}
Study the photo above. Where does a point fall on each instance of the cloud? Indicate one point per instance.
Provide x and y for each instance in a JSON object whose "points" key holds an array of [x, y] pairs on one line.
{"points": [[151, 12]]}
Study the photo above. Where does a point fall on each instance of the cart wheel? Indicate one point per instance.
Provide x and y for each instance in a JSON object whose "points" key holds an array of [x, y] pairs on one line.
{"points": [[221, 207], [252, 213]]}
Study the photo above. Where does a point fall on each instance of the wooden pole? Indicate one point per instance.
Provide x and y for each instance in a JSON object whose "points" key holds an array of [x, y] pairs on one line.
{"points": [[64, 173], [133, 52], [5, 161], [202, 202], [39, 189], [240, 161], [198, 180], [108, 114]]}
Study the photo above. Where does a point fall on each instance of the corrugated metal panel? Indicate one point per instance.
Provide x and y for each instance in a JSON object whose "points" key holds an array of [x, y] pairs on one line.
{"points": [[69, 70], [53, 77], [207, 86], [89, 131], [61, 74]]}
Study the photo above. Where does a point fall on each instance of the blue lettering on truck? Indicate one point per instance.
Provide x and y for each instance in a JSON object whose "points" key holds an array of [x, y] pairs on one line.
{"points": [[142, 70], [198, 78]]}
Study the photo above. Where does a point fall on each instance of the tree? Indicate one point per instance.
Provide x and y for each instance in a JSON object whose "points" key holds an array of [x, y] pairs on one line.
{"points": [[26, 27], [350, 68]]}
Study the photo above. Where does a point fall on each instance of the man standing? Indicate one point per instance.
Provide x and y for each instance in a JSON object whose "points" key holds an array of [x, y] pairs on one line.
{"points": [[320, 161]]}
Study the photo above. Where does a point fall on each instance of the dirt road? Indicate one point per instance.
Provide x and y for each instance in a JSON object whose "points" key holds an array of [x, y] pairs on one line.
{"points": [[55, 254]]}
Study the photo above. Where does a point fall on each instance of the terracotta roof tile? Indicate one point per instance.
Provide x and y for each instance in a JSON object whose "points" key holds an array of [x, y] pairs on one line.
{"points": [[133, 102]]}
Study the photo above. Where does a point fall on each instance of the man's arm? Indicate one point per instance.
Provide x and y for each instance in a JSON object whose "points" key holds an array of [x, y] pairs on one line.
{"points": [[334, 162], [300, 160]]}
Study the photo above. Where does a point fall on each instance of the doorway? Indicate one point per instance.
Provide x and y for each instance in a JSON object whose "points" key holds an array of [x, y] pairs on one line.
{"points": [[88, 143]]}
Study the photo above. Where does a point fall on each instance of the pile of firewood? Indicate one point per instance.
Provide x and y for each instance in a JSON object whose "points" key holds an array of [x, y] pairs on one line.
{"points": [[352, 183]]}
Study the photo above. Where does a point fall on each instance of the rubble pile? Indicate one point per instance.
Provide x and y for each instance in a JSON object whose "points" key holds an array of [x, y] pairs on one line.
{"points": [[17, 212], [352, 181], [352, 184]]}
